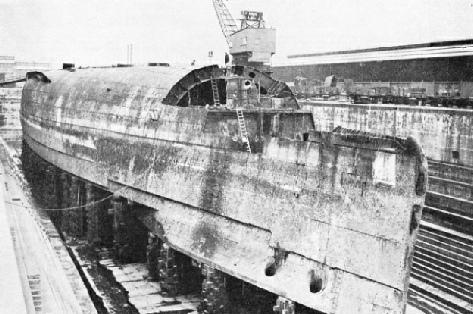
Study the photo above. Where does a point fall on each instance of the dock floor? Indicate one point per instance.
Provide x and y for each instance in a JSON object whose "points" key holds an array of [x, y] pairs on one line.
{"points": [[38, 276], [12, 299]]}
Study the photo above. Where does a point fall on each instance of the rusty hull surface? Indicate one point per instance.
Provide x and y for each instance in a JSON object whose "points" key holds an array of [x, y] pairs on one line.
{"points": [[329, 222]]}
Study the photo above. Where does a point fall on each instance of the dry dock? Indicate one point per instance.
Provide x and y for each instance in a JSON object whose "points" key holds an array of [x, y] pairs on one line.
{"points": [[38, 275]]}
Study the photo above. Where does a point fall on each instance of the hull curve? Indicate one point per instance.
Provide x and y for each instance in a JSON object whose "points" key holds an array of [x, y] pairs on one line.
{"points": [[333, 216]]}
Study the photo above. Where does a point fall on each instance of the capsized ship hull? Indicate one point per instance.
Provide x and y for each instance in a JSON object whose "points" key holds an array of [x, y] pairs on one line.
{"points": [[327, 220]]}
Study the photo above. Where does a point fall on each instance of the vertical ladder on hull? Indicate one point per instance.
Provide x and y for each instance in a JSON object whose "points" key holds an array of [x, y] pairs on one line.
{"points": [[215, 91], [243, 131]]}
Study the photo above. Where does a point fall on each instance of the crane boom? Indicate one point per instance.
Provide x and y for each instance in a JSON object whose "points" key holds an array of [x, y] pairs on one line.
{"points": [[227, 24]]}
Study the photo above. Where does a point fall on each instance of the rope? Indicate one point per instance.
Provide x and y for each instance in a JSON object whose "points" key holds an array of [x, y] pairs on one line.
{"points": [[95, 202]]}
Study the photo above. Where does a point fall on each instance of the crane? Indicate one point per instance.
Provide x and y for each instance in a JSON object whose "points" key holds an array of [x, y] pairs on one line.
{"points": [[252, 44], [225, 19]]}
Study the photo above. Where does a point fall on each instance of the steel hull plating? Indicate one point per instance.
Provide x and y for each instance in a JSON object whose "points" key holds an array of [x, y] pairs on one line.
{"points": [[345, 222]]}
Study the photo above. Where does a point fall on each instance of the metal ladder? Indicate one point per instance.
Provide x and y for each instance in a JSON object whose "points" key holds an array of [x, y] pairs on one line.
{"points": [[215, 91], [243, 131]]}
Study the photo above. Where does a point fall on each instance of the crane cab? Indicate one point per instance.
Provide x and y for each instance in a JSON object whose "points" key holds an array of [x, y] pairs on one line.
{"points": [[253, 44]]}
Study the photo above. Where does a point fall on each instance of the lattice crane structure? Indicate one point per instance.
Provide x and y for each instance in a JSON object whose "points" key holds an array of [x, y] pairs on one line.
{"points": [[225, 19]]}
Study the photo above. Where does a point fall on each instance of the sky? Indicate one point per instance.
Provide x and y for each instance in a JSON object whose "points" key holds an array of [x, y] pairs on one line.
{"points": [[97, 32]]}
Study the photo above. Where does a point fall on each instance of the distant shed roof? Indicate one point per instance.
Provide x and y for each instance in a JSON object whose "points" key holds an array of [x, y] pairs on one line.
{"points": [[440, 49]]}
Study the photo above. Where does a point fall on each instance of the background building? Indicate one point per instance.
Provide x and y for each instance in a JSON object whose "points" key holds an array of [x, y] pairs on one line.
{"points": [[11, 69]]}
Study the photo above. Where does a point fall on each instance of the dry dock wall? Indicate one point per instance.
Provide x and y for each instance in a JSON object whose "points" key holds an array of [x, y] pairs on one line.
{"points": [[444, 133]]}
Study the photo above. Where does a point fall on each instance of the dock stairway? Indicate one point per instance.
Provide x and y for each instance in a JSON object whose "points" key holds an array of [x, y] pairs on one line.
{"points": [[243, 131], [442, 272], [215, 93], [35, 288]]}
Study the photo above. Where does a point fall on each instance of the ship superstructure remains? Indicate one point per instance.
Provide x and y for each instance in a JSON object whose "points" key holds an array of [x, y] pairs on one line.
{"points": [[237, 179]]}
